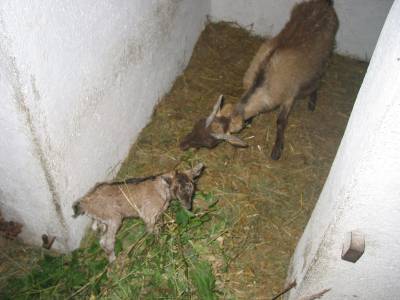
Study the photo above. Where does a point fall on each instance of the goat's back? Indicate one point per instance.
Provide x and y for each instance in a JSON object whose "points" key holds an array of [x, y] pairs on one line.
{"points": [[109, 201], [297, 56], [310, 24], [303, 46]]}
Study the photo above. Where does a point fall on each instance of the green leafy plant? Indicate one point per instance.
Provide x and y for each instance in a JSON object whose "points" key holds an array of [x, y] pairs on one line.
{"points": [[168, 266]]}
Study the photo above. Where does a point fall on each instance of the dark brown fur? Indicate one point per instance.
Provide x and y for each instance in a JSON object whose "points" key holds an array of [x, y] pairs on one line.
{"points": [[199, 137]]}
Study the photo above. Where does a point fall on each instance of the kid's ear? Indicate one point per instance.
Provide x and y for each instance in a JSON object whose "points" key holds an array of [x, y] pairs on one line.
{"points": [[195, 172], [167, 179]]}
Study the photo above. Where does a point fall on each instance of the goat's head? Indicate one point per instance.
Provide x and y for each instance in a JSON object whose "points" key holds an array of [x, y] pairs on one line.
{"points": [[210, 132], [182, 184]]}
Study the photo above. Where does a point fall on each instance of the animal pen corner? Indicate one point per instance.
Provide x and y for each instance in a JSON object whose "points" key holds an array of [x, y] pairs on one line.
{"points": [[80, 84]]}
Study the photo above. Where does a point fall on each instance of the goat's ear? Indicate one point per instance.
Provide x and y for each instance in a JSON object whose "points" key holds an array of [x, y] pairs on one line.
{"points": [[215, 111], [231, 139], [167, 179]]}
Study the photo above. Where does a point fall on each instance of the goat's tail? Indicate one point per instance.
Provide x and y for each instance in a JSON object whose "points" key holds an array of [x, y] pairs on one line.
{"points": [[76, 207], [330, 2]]}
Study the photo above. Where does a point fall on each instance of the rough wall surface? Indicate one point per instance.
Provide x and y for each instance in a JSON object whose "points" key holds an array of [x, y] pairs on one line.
{"points": [[79, 80], [360, 20], [362, 192]]}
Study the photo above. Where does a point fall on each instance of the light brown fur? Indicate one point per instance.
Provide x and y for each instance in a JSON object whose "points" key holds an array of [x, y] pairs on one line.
{"points": [[286, 67], [266, 48], [145, 200], [108, 204]]}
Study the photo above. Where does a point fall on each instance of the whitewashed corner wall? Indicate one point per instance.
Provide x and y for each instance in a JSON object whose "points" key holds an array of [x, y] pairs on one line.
{"points": [[362, 192], [360, 20], [79, 80]]}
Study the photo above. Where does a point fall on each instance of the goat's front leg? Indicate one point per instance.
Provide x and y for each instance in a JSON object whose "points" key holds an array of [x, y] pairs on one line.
{"points": [[107, 241], [154, 224], [95, 225], [151, 225], [281, 124], [99, 226]]}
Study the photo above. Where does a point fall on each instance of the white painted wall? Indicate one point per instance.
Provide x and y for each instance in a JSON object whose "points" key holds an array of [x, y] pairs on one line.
{"points": [[79, 80], [360, 20], [362, 192]]}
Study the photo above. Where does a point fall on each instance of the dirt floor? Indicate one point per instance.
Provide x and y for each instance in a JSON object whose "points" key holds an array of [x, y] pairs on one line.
{"points": [[267, 202]]}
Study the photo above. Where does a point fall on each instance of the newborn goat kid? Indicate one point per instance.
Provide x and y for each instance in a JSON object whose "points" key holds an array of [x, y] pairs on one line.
{"points": [[286, 67], [147, 198]]}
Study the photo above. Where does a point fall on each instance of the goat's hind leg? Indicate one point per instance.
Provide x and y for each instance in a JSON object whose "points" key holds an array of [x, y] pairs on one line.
{"points": [[281, 124], [312, 101], [312, 92]]}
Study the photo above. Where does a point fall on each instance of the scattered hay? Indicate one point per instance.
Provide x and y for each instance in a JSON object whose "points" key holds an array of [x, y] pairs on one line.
{"points": [[250, 211], [269, 202], [16, 259]]}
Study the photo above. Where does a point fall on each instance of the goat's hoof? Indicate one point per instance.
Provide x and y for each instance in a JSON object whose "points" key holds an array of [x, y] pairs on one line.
{"points": [[311, 106], [276, 153]]}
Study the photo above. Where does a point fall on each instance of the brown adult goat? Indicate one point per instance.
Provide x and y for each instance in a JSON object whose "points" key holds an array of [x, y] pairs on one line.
{"points": [[286, 67], [146, 198]]}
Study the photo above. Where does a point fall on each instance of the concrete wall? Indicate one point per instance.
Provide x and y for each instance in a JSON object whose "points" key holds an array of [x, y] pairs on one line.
{"points": [[360, 20], [362, 192], [79, 80]]}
